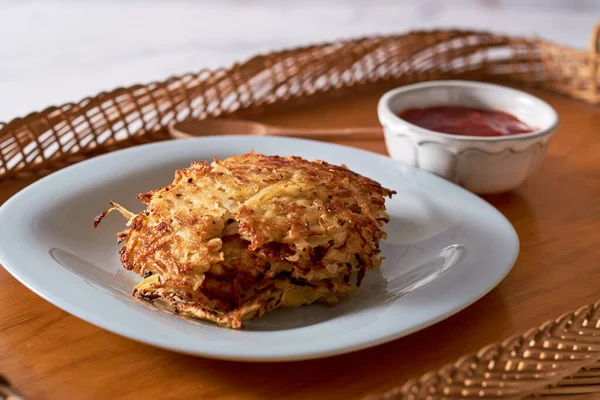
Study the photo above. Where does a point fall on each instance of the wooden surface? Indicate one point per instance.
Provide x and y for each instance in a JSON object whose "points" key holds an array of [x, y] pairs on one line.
{"points": [[49, 354]]}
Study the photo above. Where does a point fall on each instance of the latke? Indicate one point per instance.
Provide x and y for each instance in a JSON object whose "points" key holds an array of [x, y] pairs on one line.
{"points": [[231, 240]]}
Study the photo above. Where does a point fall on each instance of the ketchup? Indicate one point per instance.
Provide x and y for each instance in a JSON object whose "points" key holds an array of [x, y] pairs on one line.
{"points": [[466, 121]]}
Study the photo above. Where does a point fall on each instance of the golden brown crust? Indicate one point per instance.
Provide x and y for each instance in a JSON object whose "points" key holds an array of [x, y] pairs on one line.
{"points": [[230, 240]]}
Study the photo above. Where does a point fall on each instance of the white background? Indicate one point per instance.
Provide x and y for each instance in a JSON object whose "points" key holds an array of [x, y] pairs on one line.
{"points": [[57, 51]]}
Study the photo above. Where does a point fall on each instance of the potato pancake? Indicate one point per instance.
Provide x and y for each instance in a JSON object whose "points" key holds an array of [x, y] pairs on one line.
{"points": [[233, 239]]}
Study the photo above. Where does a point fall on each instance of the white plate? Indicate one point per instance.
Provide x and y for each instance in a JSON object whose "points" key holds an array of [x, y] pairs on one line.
{"points": [[445, 249]]}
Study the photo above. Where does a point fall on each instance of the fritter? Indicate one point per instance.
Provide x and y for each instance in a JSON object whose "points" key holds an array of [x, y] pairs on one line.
{"points": [[231, 240]]}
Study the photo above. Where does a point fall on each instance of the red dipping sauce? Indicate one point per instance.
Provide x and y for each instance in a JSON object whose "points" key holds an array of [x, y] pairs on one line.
{"points": [[466, 121]]}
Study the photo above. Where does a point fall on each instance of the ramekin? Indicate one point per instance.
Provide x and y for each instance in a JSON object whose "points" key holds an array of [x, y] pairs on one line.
{"points": [[480, 164]]}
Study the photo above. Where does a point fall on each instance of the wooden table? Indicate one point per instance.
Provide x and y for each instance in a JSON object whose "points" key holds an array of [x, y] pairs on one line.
{"points": [[49, 354]]}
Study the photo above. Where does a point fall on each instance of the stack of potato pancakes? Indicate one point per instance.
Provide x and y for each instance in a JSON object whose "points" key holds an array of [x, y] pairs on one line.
{"points": [[231, 240]]}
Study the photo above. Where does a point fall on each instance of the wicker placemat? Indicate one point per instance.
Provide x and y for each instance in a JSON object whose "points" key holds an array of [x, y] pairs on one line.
{"points": [[560, 359], [557, 359], [45, 141]]}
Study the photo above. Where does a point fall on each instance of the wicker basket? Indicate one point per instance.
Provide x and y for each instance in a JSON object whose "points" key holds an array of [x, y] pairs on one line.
{"points": [[48, 140], [558, 359]]}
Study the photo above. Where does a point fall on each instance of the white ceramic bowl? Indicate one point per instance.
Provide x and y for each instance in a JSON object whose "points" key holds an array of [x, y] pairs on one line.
{"points": [[480, 164]]}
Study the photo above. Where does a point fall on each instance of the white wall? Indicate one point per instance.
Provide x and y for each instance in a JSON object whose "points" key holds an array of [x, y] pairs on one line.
{"points": [[62, 50]]}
